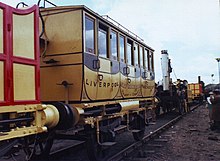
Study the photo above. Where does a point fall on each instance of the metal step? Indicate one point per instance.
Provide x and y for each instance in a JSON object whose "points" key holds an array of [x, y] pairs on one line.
{"points": [[135, 131], [161, 140], [121, 127], [155, 145], [151, 123], [108, 143]]}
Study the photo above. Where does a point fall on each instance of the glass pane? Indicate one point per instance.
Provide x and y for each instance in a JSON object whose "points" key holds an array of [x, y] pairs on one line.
{"points": [[122, 48], [151, 61], [129, 49], [146, 59], [24, 78], [23, 34], [89, 35], [102, 43], [1, 31], [141, 56], [114, 45], [136, 54]]}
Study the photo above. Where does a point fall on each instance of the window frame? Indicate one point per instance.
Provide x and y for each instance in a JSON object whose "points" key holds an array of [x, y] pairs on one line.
{"points": [[124, 48], [103, 28], [141, 62], [86, 16], [146, 59], [151, 61], [114, 57], [136, 54], [131, 43]]}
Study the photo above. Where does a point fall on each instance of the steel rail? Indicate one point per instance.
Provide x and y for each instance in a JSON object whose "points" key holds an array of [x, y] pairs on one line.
{"points": [[120, 155]]}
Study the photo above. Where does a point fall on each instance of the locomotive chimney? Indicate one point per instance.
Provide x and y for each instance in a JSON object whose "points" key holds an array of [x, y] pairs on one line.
{"points": [[199, 79], [165, 69]]}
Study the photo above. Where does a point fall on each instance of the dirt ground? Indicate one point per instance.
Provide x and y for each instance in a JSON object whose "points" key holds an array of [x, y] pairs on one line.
{"points": [[191, 140]]}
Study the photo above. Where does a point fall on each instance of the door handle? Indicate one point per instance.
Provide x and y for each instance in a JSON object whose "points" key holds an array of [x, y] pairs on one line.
{"points": [[96, 64], [129, 80], [100, 76], [126, 70]]}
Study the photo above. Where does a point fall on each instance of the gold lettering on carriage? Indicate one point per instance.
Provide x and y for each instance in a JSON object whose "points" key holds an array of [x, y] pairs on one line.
{"points": [[104, 84]]}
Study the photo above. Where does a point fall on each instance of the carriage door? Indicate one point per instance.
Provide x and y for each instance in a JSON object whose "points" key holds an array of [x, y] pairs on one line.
{"points": [[115, 75], [104, 72], [128, 89], [137, 70], [145, 74], [142, 70], [91, 63], [152, 75]]}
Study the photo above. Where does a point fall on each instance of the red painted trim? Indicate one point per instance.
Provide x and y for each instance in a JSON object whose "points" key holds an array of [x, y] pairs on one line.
{"points": [[26, 61], [2, 5], [37, 53], [5, 57], [7, 80], [25, 11], [9, 54]]}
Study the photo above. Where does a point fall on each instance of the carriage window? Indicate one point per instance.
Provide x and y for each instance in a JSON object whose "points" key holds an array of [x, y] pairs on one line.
{"points": [[103, 41], [129, 53], [89, 35], [122, 48], [114, 45], [141, 57], [146, 53], [151, 67], [136, 54]]}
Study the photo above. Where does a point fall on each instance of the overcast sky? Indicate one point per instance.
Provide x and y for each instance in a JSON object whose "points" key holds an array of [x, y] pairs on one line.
{"points": [[188, 29]]}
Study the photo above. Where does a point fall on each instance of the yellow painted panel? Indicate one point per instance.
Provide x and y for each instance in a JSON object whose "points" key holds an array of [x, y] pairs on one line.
{"points": [[104, 86], [197, 86], [132, 71], [115, 84], [128, 87], [24, 82], [51, 83], [1, 31], [23, 35], [64, 31], [105, 65], [90, 83], [62, 59], [1, 81], [147, 87]]}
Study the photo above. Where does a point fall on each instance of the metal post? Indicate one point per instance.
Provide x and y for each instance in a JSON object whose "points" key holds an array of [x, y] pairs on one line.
{"points": [[218, 60]]}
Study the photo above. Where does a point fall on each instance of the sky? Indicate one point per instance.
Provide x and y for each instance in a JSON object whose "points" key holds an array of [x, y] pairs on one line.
{"points": [[188, 29]]}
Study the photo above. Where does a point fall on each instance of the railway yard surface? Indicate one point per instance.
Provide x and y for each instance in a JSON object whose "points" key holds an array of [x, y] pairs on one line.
{"points": [[190, 139]]}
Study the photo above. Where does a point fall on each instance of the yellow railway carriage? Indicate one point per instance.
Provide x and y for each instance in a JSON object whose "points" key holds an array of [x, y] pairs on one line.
{"points": [[98, 67], [89, 59]]}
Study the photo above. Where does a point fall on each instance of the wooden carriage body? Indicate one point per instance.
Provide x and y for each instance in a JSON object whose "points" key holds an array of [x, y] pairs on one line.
{"points": [[87, 59]]}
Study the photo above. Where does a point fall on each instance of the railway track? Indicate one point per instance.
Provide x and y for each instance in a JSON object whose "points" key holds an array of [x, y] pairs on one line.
{"points": [[125, 144], [125, 149], [151, 139]]}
